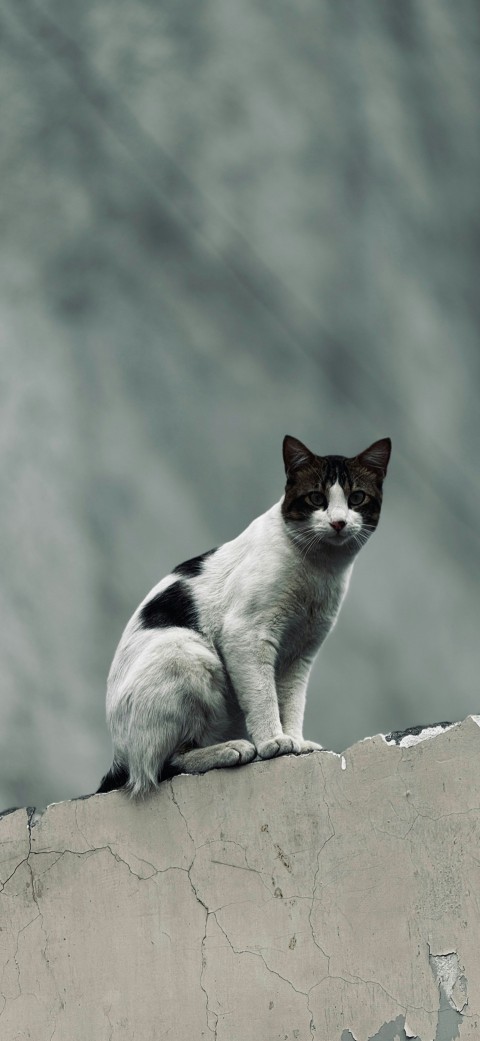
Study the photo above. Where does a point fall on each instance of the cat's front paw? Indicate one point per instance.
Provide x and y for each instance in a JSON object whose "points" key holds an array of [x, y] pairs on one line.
{"points": [[309, 746], [281, 745], [244, 750]]}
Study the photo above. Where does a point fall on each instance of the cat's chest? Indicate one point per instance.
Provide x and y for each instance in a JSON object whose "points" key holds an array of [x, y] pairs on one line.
{"points": [[266, 591], [312, 614], [309, 617]]}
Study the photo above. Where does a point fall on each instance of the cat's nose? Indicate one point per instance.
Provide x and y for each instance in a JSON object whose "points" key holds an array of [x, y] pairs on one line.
{"points": [[338, 525]]}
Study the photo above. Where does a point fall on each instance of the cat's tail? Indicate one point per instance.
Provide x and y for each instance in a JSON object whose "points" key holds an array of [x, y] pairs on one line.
{"points": [[117, 777]]}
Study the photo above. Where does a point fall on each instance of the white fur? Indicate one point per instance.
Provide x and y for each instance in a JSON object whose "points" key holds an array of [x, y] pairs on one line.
{"points": [[265, 601]]}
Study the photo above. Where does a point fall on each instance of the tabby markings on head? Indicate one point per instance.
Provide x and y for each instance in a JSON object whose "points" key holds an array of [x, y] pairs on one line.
{"points": [[307, 473]]}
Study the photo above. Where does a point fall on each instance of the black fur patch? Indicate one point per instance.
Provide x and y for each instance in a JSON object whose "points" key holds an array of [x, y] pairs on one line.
{"points": [[336, 470], [169, 771], [116, 777], [194, 566], [175, 606]]}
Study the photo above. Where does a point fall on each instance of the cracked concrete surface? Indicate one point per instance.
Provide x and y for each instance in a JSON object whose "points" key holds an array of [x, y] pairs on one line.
{"points": [[320, 898]]}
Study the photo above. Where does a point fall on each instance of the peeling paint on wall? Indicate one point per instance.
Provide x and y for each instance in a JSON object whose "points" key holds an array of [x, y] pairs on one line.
{"points": [[393, 1031], [452, 986], [289, 901]]}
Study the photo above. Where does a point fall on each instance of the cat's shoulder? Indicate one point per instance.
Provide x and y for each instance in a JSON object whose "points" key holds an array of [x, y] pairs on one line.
{"points": [[265, 530], [194, 566]]}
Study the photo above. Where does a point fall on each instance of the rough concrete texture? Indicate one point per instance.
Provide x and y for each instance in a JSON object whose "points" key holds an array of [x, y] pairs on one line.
{"points": [[324, 897]]}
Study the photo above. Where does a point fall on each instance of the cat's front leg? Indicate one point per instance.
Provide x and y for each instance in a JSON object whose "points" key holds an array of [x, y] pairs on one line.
{"points": [[252, 672], [292, 690]]}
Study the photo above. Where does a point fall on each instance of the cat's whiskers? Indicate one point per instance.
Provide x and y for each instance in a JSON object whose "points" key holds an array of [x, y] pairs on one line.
{"points": [[308, 539], [361, 536], [302, 544], [305, 541]]}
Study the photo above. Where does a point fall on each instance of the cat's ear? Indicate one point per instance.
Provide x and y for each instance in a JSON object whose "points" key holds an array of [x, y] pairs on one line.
{"points": [[376, 456], [295, 454]]}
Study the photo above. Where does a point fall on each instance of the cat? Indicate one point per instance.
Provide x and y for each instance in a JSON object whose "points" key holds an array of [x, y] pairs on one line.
{"points": [[212, 668]]}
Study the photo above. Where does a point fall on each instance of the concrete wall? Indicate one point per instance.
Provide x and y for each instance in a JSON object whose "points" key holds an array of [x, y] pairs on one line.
{"points": [[326, 897]]}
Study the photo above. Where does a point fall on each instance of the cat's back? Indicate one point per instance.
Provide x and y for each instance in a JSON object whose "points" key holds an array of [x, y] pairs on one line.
{"points": [[246, 569], [202, 589]]}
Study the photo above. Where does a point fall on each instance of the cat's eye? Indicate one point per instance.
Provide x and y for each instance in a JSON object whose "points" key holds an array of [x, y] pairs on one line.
{"points": [[317, 499], [356, 498]]}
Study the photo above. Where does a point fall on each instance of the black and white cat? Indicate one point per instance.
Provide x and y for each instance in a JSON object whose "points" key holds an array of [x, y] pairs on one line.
{"points": [[212, 668]]}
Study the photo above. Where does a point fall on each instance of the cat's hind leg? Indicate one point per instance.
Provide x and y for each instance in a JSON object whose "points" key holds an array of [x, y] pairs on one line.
{"points": [[168, 709]]}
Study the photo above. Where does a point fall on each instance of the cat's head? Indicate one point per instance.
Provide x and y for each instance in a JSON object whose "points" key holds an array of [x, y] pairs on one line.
{"points": [[331, 501]]}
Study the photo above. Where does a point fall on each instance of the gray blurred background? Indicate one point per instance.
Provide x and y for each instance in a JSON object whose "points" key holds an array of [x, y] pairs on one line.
{"points": [[223, 222]]}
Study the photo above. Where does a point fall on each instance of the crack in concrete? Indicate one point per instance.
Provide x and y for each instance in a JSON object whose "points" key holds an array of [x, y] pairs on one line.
{"points": [[256, 954], [16, 868], [357, 981], [213, 913], [51, 1011], [29, 811], [34, 877], [315, 877], [101, 849], [184, 819], [24, 860], [274, 972], [80, 832], [14, 958], [209, 1012], [246, 867]]}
